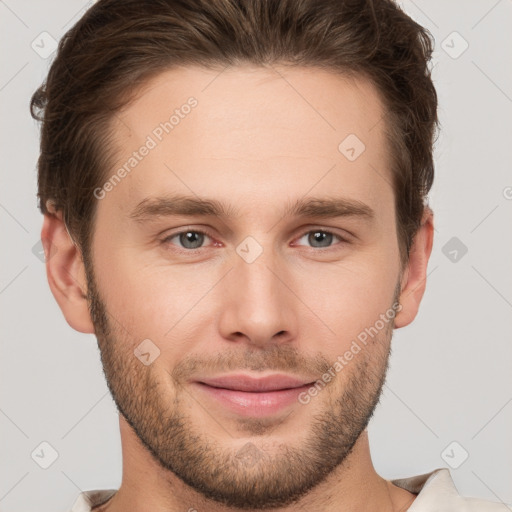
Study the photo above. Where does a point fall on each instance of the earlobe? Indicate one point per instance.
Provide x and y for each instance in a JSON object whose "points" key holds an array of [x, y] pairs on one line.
{"points": [[414, 279], [66, 273]]}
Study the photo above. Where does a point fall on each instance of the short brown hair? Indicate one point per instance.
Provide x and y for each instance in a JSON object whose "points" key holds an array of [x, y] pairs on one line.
{"points": [[119, 44]]}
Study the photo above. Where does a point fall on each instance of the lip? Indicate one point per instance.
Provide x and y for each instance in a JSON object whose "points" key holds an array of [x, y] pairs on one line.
{"points": [[249, 396], [241, 382]]}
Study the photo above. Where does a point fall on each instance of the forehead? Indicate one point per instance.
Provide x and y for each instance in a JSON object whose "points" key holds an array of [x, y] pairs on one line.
{"points": [[251, 133]]}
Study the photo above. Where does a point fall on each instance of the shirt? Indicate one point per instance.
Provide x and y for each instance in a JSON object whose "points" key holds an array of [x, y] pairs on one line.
{"points": [[435, 492]]}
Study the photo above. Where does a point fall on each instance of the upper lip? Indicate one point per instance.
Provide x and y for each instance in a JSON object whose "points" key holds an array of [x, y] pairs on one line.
{"points": [[242, 382]]}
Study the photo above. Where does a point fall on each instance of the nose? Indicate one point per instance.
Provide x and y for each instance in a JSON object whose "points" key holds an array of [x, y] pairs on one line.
{"points": [[257, 303]]}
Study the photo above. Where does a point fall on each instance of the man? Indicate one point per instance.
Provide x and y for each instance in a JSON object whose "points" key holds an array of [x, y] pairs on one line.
{"points": [[234, 199]]}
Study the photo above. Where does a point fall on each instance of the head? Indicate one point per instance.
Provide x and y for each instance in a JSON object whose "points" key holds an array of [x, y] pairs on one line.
{"points": [[257, 107]]}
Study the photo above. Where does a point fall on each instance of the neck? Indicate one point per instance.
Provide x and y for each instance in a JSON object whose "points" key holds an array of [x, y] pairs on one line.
{"points": [[353, 486]]}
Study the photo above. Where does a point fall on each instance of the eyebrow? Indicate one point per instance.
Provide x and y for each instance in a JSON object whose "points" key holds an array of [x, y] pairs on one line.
{"points": [[176, 205]]}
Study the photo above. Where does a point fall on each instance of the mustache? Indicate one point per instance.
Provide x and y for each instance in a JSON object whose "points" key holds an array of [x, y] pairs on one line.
{"points": [[278, 358]]}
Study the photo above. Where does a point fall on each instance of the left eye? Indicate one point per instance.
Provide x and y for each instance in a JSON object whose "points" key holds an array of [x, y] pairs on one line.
{"points": [[324, 238], [193, 239]]}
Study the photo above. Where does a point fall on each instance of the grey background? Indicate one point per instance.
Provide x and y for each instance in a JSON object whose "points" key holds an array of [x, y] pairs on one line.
{"points": [[450, 377]]}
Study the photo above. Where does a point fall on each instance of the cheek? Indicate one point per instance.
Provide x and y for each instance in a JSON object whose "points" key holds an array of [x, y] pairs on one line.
{"points": [[348, 296], [156, 300], [356, 285]]}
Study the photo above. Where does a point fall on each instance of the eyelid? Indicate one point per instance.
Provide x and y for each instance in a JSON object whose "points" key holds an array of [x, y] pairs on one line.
{"points": [[203, 231], [343, 239]]}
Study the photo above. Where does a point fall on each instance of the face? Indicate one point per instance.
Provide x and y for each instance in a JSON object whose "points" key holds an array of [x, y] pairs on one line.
{"points": [[181, 297]]}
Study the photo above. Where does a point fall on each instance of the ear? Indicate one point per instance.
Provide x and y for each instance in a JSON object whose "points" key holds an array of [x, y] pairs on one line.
{"points": [[414, 278], [66, 272]]}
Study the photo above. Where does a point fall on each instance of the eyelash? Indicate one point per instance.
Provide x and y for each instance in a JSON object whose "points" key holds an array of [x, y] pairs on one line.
{"points": [[166, 240]]}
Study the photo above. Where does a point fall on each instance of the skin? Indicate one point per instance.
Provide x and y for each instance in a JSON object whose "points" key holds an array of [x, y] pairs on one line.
{"points": [[256, 139]]}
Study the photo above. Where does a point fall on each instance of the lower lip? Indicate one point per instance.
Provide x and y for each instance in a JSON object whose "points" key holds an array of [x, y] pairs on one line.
{"points": [[246, 403]]}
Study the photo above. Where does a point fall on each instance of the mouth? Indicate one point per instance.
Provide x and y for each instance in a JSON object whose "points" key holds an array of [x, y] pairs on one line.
{"points": [[248, 396]]}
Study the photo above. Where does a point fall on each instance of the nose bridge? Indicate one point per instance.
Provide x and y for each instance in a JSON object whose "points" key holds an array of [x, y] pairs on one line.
{"points": [[260, 301], [254, 270]]}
